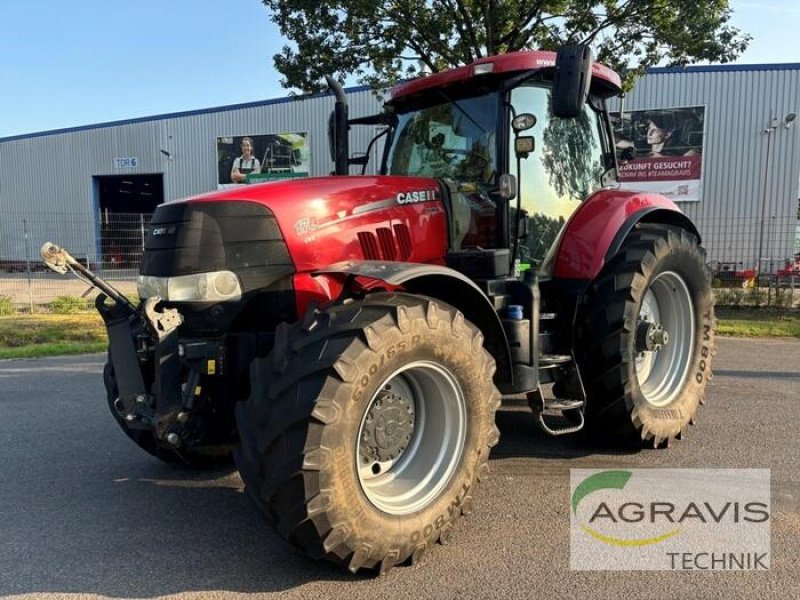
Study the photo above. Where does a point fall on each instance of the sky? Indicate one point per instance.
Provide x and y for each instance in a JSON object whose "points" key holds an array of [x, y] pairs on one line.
{"points": [[66, 64]]}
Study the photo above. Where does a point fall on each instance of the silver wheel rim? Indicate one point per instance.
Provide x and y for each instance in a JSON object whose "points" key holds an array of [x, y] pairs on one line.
{"points": [[403, 467], [662, 373]]}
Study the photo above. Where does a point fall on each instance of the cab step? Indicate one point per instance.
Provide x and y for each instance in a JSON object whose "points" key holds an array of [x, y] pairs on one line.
{"points": [[561, 430], [548, 361], [570, 408], [562, 405]]}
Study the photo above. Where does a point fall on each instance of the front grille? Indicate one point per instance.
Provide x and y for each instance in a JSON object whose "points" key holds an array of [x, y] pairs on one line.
{"points": [[198, 237]]}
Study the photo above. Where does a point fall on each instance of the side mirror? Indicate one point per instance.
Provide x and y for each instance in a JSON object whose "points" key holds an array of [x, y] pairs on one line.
{"points": [[571, 81], [506, 187]]}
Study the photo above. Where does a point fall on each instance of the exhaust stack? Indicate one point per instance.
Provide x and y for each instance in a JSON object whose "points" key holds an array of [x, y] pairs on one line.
{"points": [[338, 129]]}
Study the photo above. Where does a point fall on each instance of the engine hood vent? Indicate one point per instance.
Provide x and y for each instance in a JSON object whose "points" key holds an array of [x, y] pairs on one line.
{"points": [[197, 237]]}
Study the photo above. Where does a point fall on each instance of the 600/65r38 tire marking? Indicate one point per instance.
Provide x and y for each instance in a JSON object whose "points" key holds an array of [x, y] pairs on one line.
{"points": [[339, 436], [645, 339]]}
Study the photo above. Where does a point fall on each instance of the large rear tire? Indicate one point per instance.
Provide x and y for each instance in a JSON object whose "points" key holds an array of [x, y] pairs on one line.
{"points": [[368, 429], [645, 339]]}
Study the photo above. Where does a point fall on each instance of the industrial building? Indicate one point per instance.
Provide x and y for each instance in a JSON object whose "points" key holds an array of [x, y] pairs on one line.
{"points": [[748, 210], [735, 122]]}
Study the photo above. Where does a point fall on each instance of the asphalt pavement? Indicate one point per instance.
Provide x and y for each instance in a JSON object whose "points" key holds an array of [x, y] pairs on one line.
{"points": [[83, 512]]}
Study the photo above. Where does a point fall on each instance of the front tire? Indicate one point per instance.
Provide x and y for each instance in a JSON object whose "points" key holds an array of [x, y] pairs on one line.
{"points": [[645, 339], [368, 429]]}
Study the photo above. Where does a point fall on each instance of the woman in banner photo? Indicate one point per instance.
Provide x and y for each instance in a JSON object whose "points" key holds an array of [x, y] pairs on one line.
{"points": [[246, 163], [662, 135], [665, 132]]}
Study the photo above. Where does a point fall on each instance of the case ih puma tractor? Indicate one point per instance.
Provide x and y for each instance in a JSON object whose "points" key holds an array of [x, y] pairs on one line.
{"points": [[348, 338]]}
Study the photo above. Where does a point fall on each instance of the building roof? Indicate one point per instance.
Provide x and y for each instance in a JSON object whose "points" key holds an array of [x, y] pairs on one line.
{"points": [[286, 99], [730, 68], [175, 115]]}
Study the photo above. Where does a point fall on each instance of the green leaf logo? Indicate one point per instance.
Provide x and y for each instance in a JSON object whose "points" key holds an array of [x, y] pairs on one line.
{"points": [[599, 481], [615, 480]]}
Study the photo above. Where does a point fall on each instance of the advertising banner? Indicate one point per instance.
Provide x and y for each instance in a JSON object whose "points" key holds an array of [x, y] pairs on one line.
{"points": [[258, 158], [670, 519], [661, 150]]}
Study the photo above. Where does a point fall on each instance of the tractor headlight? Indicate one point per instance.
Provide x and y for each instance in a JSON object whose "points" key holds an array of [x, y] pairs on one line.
{"points": [[201, 287]]}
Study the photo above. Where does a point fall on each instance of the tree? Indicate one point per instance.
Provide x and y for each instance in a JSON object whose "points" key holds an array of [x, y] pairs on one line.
{"points": [[542, 233], [382, 41], [570, 155]]}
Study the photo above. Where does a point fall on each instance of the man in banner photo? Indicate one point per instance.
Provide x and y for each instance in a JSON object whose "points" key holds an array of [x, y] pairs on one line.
{"points": [[661, 150]]}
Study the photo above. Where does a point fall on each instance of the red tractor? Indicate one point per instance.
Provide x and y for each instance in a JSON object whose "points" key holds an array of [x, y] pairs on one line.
{"points": [[789, 275], [348, 338]]}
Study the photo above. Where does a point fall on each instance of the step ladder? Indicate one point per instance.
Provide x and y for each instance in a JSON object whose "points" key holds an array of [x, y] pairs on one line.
{"points": [[569, 408]]}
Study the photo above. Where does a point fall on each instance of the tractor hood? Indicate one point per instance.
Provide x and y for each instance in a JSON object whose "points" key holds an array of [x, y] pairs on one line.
{"points": [[325, 220]]}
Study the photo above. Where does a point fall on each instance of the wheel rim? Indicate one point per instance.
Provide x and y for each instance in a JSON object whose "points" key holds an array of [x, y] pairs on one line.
{"points": [[411, 438], [662, 372]]}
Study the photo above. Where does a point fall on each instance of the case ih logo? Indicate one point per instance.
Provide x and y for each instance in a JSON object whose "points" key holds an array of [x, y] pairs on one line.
{"points": [[162, 231], [416, 196]]}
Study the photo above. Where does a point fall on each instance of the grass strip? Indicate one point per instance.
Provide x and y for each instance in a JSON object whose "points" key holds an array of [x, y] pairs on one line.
{"points": [[54, 349], [759, 328], [754, 322], [29, 336]]}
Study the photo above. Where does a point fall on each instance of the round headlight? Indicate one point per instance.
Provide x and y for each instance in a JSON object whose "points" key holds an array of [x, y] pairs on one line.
{"points": [[226, 283]]}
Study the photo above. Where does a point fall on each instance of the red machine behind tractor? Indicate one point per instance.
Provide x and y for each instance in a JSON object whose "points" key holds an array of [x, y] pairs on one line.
{"points": [[349, 338]]}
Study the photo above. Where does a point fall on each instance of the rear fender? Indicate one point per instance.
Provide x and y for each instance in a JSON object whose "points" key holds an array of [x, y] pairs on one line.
{"points": [[595, 233], [435, 281]]}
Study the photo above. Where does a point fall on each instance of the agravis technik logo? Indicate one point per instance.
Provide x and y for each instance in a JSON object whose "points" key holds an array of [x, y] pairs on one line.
{"points": [[678, 519], [612, 480]]}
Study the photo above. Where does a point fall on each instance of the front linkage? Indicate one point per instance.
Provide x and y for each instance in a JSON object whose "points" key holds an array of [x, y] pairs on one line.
{"points": [[158, 407]]}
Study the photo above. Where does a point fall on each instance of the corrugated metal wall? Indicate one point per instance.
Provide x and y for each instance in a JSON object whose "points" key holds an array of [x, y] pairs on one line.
{"points": [[192, 140], [47, 179], [52, 174], [739, 103]]}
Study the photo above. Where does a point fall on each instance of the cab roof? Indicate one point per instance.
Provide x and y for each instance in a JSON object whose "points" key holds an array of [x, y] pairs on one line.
{"points": [[605, 79]]}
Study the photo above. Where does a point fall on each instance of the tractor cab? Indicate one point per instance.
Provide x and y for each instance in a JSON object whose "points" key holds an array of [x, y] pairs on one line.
{"points": [[516, 150]]}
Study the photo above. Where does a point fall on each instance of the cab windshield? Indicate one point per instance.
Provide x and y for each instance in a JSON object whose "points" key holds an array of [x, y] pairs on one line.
{"points": [[452, 139]]}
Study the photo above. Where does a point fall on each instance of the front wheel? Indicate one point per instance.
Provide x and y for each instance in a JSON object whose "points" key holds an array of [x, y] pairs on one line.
{"points": [[368, 429], [645, 339]]}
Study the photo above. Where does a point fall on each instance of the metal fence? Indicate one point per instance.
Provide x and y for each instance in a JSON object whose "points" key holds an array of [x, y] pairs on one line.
{"points": [[109, 243], [753, 263]]}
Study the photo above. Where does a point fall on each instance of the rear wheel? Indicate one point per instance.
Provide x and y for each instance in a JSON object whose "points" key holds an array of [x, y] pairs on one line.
{"points": [[368, 429], [645, 339]]}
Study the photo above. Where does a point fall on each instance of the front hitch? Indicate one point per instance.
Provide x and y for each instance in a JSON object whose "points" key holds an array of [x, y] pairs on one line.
{"points": [[136, 337], [61, 261], [160, 323]]}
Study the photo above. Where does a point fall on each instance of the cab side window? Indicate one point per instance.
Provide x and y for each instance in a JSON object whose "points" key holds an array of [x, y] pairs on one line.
{"points": [[565, 167]]}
